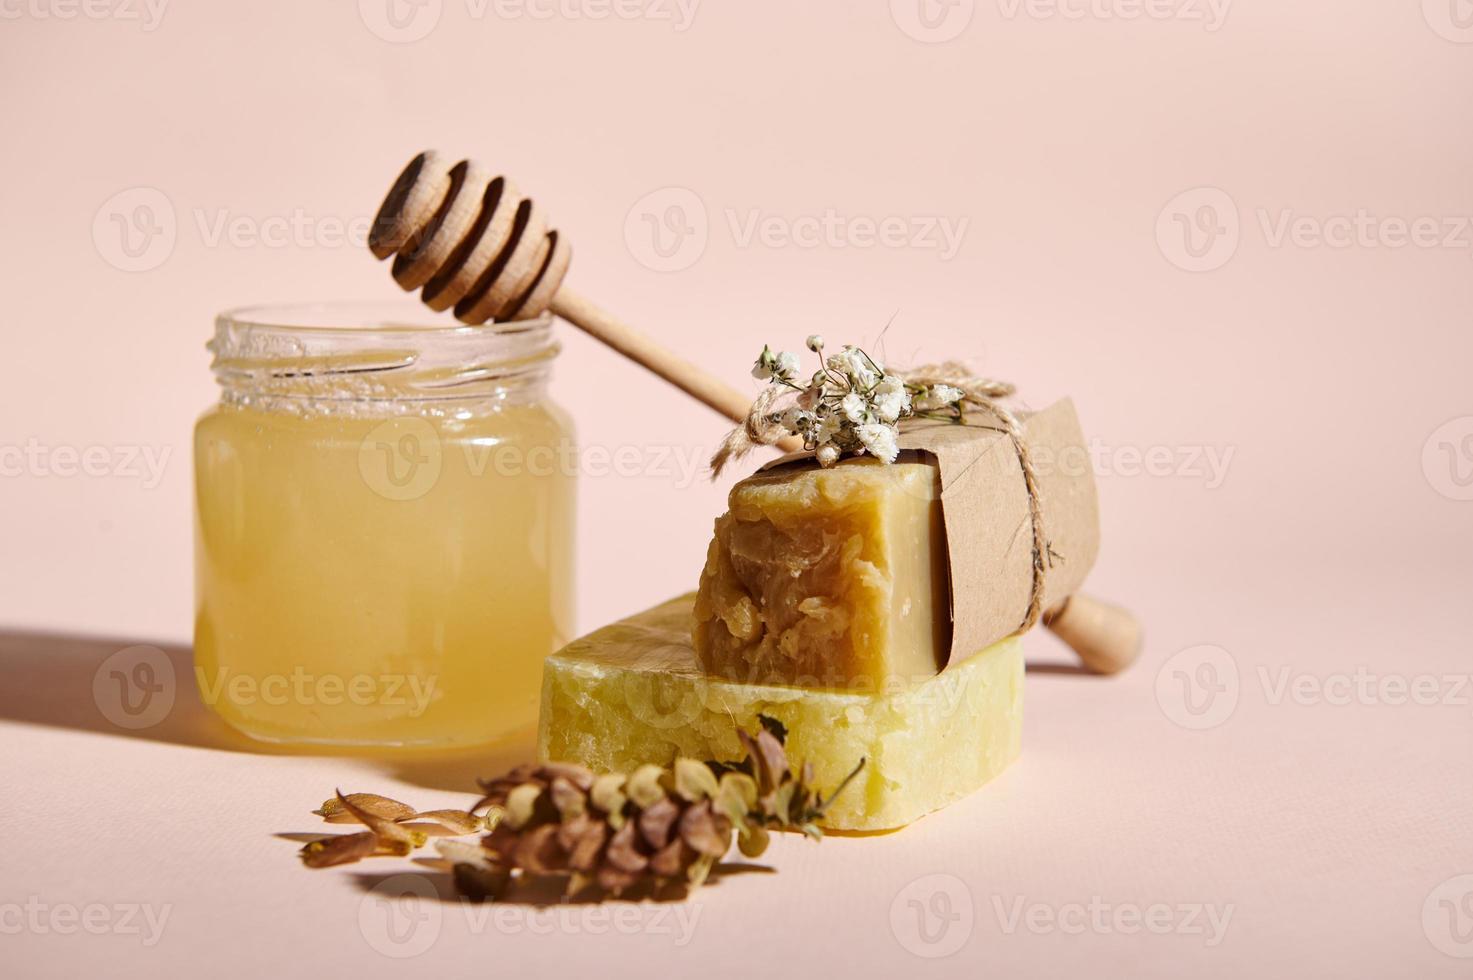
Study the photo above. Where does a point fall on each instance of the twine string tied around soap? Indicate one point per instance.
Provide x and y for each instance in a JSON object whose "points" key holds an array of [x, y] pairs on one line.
{"points": [[764, 427]]}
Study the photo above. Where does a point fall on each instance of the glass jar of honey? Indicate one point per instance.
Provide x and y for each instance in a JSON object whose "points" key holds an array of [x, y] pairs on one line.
{"points": [[383, 526]]}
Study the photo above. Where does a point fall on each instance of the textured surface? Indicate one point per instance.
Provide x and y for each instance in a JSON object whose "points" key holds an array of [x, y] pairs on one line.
{"points": [[633, 692], [827, 578]]}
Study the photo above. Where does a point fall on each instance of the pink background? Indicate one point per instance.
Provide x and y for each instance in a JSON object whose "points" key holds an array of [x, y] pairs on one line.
{"points": [[1333, 370]]}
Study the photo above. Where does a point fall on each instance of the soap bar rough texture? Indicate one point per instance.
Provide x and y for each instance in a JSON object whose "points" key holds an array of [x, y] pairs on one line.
{"points": [[866, 573], [830, 578], [634, 692]]}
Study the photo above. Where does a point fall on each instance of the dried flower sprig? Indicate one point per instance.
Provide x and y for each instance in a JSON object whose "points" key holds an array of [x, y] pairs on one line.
{"points": [[391, 828], [657, 825], [850, 404]]}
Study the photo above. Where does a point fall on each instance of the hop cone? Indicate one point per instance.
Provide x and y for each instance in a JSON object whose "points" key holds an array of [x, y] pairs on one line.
{"points": [[656, 825]]}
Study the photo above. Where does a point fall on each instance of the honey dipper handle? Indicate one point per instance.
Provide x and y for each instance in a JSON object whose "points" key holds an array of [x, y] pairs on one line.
{"points": [[694, 381], [1106, 637], [628, 341]]}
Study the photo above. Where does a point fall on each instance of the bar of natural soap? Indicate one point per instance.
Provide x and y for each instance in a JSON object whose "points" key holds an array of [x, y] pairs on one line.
{"points": [[633, 692], [828, 577]]}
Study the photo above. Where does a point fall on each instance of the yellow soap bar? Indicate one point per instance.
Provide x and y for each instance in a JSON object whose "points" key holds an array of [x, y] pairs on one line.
{"points": [[832, 578], [633, 692]]}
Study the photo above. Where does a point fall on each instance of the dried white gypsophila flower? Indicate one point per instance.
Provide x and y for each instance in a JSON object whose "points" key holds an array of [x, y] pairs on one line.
{"points": [[861, 370], [937, 397], [799, 420], [879, 440], [850, 405], [854, 407], [780, 367], [890, 398]]}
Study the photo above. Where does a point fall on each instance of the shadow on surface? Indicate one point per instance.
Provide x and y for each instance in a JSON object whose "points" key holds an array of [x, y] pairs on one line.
{"points": [[1046, 667], [132, 689], [541, 892], [110, 686]]}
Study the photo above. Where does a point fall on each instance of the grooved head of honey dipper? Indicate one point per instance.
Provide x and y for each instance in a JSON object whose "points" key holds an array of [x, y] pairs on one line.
{"points": [[416, 195], [471, 240]]}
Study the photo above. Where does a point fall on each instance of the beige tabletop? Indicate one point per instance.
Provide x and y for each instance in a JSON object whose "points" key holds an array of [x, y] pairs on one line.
{"points": [[1290, 800]]}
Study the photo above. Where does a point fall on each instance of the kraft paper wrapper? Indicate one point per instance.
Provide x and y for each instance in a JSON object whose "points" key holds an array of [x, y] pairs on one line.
{"points": [[984, 507]]}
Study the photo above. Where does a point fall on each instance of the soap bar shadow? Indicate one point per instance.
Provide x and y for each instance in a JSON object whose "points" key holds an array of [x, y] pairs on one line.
{"points": [[66, 681]]}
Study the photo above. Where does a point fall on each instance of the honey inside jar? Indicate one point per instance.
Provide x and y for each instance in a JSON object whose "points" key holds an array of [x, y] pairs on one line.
{"points": [[384, 528]]}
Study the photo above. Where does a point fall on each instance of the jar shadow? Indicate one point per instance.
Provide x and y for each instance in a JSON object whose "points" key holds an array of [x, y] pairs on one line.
{"points": [[124, 687]]}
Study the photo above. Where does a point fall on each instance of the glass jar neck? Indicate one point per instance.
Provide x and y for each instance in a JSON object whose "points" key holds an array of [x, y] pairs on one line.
{"points": [[377, 358]]}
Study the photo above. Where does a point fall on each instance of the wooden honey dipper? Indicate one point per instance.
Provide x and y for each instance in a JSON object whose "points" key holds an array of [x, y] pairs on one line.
{"points": [[471, 242]]}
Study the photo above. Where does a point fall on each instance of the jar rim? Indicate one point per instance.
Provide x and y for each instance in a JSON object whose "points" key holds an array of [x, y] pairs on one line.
{"points": [[367, 351], [336, 317]]}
